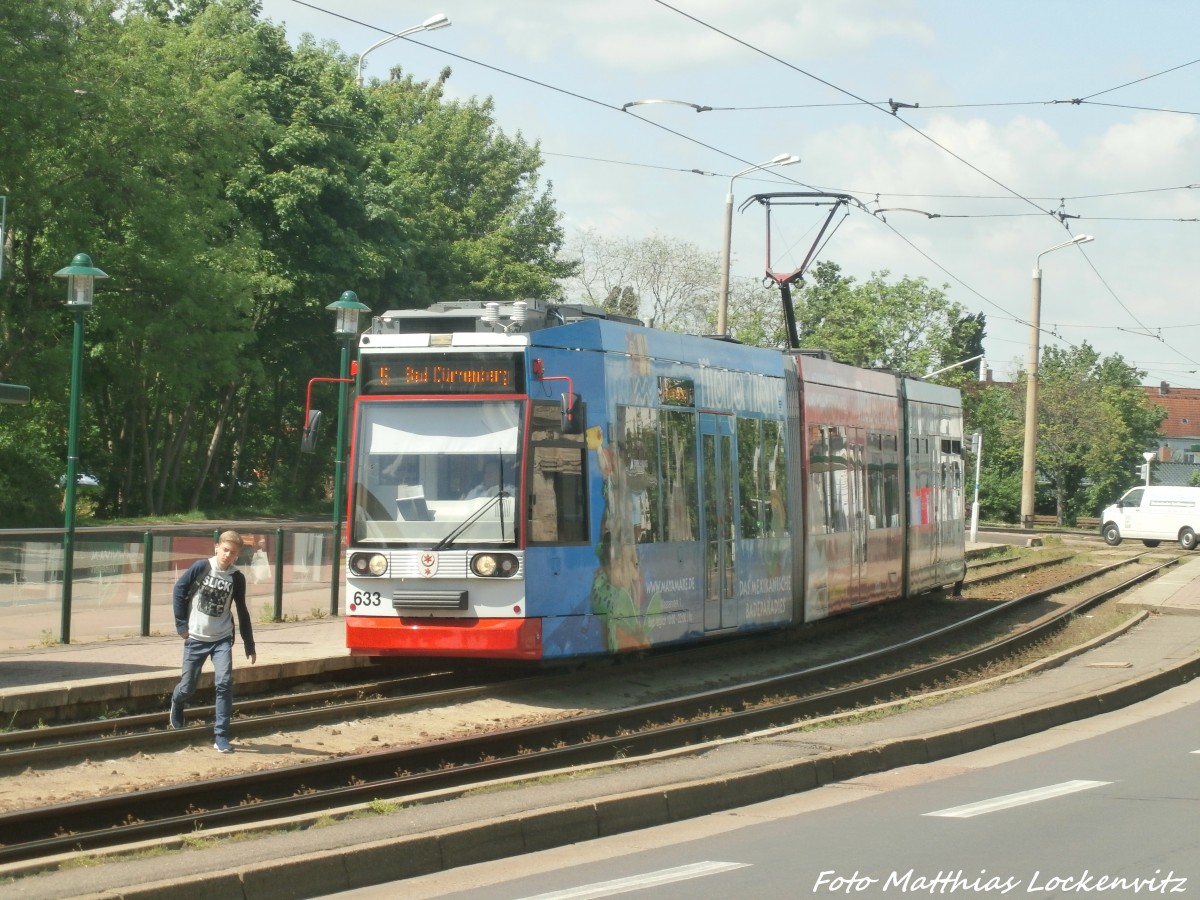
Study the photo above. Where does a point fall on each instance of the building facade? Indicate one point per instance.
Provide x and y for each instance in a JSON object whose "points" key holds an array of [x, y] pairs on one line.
{"points": [[1179, 447]]}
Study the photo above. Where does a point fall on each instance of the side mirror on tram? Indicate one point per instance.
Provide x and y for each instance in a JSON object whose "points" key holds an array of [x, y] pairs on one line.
{"points": [[312, 431], [573, 419]]}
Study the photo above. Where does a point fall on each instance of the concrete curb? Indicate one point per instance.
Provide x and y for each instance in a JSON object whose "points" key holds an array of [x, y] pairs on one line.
{"points": [[414, 855]]}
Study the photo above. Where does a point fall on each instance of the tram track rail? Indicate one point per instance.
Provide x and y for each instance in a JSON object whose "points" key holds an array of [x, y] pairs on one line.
{"points": [[988, 571], [457, 763], [146, 731]]}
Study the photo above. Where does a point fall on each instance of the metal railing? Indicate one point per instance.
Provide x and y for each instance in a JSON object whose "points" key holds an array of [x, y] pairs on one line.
{"points": [[122, 578]]}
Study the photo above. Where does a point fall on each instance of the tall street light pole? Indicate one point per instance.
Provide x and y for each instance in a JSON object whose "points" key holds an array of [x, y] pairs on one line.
{"points": [[81, 277], [783, 159], [430, 24], [347, 307], [1029, 468]]}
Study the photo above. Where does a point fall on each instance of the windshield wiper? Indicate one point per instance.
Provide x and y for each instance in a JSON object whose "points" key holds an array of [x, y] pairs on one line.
{"points": [[446, 542]]}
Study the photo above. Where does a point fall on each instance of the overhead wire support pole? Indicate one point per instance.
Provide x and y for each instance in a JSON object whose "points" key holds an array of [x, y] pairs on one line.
{"points": [[1029, 453], [977, 446]]}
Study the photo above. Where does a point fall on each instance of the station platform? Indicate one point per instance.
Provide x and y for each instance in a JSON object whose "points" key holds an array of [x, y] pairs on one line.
{"points": [[134, 673], [1160, 654]]}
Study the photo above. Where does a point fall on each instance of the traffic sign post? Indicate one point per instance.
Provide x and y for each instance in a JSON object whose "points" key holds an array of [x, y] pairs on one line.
{"points": [[977, 449]]}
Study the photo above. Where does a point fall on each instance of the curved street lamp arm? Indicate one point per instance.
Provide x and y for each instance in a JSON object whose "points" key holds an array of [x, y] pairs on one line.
{"points": [[432, 23]]}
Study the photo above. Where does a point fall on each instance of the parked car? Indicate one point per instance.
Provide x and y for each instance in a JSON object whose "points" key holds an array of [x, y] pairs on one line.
{"points": [[1154, 514], [82, 479]]}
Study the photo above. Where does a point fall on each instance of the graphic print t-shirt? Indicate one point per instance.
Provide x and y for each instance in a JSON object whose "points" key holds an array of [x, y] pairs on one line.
{"points": [[210, 618]]}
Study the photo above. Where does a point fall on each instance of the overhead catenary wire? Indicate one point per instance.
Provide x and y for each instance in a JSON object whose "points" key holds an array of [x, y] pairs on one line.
{"points": [[893, 108], [947, 150], [1011, 194], [849, 93]]}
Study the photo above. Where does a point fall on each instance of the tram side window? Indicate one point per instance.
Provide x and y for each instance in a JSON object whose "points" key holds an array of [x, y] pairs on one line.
{"points": [[820, 481], [635, 475], [749, 453], [876, 517], [841, 474], [776, 474], [891, 459], [557, 480], [835, 485], [677, 463], [762, 478]]}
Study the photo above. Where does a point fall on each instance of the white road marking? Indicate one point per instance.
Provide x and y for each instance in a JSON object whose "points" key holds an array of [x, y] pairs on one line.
{"points": [[1020, 799], [638, 882]]}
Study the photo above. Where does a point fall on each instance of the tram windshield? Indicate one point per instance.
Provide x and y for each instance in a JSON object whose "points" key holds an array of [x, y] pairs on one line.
{"points": [[430, 473]]}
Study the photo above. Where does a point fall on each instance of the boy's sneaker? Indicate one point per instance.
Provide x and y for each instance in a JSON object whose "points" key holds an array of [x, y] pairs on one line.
{"points": [[221, 745], [176, 720]]}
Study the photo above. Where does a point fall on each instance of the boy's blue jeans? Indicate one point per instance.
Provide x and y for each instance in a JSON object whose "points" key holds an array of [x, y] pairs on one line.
{"points": [[194, 654]]}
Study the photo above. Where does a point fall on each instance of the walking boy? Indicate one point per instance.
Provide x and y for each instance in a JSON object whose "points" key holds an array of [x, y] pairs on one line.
{"points": [[204, 598]]}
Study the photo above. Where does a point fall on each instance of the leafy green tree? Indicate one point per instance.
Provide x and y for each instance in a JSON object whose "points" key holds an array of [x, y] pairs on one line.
{"points": [[1080, 434], [1121, 384], [907, 325], [186, 290], [1093, 424], [232, 187], [464, 197], [996, 411], [755, 314], [966, 343], [622, 301]]}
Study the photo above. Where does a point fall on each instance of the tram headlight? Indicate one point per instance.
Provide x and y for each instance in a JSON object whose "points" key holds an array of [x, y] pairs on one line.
{"points": [[494, 565], [368, 564]]}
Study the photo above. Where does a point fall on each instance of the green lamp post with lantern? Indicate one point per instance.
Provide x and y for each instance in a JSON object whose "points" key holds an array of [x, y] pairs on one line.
{"points": [[81, 277], [347, 308]]}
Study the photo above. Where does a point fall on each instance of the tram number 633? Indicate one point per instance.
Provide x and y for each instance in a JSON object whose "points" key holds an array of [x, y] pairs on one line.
{"points": [[368, 598]]}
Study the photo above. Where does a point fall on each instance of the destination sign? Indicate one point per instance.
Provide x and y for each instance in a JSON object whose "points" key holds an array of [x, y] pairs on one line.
{"points": [[443, 373]]}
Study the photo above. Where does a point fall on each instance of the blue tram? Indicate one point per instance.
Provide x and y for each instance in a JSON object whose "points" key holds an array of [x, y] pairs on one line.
{"points": [[541, 482]]}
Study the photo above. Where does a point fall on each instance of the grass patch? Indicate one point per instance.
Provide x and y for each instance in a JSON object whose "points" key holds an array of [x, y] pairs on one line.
{"points": [[198, 842]]}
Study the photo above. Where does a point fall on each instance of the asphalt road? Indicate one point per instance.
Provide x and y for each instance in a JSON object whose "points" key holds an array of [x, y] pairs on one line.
{"points": [[1105, 806]]}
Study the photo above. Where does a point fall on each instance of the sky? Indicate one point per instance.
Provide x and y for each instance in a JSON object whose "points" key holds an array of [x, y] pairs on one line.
{"points": [[1023, 125]]}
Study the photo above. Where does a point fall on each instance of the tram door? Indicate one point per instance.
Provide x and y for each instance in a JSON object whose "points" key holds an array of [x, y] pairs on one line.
{"points": [[716, 503]]}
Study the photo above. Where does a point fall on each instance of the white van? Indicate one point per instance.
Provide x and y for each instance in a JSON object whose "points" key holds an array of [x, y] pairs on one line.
{"points": [[1154, 514]]}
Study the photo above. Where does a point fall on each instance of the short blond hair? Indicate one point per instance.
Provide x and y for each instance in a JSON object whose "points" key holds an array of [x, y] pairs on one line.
{"points": [[233, 537]]}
